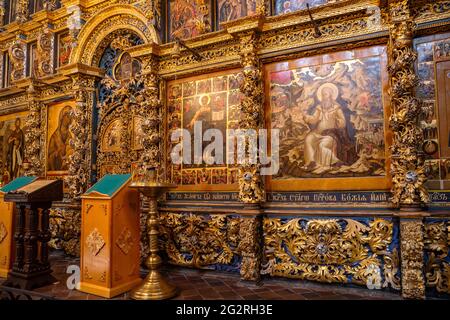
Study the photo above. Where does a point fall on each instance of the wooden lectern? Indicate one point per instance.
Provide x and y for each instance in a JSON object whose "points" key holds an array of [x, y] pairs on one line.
{"points": [[110, 237], [7, 210], [31, 268]]}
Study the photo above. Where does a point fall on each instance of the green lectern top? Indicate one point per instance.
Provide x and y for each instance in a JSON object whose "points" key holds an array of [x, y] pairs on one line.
{"points": [[17, 184], [109, 184]]}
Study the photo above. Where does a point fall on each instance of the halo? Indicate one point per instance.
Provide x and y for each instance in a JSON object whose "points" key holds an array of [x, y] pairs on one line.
{"points": [[201, 98], [330, 85]]}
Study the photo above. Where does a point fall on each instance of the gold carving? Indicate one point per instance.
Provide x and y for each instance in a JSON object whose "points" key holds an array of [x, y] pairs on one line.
{"points": [[95, 242], [408, 170], [437, 242], [33, 134], [17, 53], [250, 248], [412, 249], [45, 53], [80, 159], [330, 250], [195, 240], [125, 241], [22, 10], [3, 232], [65, 230], [251, 188]]}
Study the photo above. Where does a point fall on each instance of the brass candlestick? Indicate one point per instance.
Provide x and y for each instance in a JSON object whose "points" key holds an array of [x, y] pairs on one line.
{"points": [[154, 287]]}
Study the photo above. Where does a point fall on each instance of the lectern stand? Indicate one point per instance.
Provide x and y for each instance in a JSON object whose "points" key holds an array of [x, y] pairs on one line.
{"points": [[31, 268], [7, 210], [110, 234]]}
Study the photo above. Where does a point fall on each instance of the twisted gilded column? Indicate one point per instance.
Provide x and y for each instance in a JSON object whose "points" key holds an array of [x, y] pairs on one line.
{"points": [[150, 111], [407, 162], [33, 135], [80, 159], [251, 186]]}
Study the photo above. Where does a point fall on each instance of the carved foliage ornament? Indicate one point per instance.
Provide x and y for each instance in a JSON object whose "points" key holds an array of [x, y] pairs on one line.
{"points": [[412, 251], [251, 188], [79, 168], [95, 242], [407, 166], [3, 232], [45, 53], [196, 240], [33, 134], [332, 250], [17, 54], [125, 241], [437, 244]]}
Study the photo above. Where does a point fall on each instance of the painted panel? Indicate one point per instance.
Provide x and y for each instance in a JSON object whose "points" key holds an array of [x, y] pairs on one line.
{"points": [[329, 112], [211, 101], [59, 149], [12, 146]]}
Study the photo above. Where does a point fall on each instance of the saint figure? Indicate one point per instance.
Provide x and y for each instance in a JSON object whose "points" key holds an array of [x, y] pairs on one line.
{"points": [[59, 148], [328, 134], [15, 150]]}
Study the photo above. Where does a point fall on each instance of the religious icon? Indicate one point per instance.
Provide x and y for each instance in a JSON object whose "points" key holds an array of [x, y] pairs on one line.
{"points": [[59, 148], [204, 86], [64, 49], [188, 89], [12, 145], [205, 104], [219, 84], [111, 137], [286, 6], [187, 19], [233, 9], [138, 133], [330, 119]]}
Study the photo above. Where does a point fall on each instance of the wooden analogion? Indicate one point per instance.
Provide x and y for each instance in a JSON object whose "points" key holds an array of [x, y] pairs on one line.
{"points": [[31, 268], [7, 210], [110, 235]]}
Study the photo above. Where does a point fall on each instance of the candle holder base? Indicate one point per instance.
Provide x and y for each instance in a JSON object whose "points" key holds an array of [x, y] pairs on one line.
{"points": [[154, 287]]}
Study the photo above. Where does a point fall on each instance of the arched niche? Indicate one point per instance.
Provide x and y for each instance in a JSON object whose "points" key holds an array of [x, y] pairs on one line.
{"points": [[104, 25]]}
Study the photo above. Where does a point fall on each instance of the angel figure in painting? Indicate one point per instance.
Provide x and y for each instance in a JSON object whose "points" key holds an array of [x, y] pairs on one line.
{"points": [[328, 128]]}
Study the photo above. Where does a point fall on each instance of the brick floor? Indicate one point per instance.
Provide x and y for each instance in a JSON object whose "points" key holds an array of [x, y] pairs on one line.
{"points": [[210, 285]]}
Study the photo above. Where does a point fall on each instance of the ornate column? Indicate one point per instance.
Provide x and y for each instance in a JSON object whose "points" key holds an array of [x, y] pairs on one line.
{"points": [[33, 134], [45, 48], [150, 110], [22, 11], [80, 161], [2, 12], [407, 162], [17, 54], [49, 5], [251, 186]]}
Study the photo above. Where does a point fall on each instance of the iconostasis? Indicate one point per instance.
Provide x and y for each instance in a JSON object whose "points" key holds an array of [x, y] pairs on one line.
{"points": [[331, 112]]}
